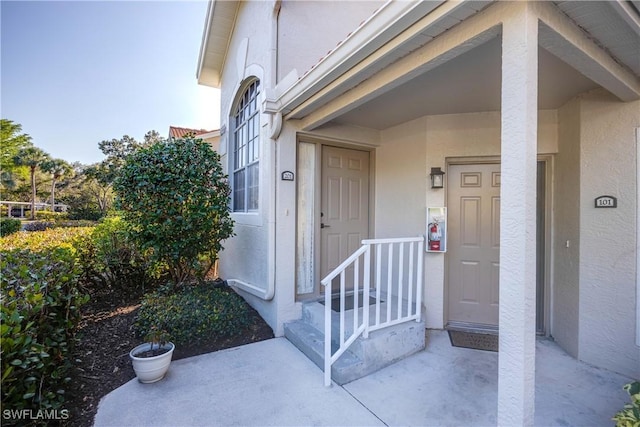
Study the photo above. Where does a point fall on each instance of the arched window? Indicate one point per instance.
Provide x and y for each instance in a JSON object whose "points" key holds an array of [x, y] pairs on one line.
{"points": [[246, 150]]}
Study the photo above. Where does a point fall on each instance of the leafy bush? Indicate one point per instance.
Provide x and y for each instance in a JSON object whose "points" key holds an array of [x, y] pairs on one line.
{"points": [[76, 223], [38, 225], [51, 216], [630, 415], [40, 309], [84, 212], [9, 226], [176, 197], [43, 241], [193, 314], [111, 259]]}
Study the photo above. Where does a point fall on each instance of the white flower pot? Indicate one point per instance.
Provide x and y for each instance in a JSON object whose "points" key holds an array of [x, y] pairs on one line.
{"points": [[151, 369]]}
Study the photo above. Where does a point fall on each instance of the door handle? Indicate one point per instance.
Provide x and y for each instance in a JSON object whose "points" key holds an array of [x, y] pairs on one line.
{"points": [[322, 225]]}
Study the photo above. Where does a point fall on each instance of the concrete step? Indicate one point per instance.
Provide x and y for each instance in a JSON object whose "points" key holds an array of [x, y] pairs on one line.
{"points": [[365, 356], [310, 341], [313, 314]]}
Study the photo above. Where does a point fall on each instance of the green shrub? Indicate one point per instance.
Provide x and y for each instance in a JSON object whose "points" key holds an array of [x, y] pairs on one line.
{"points": [[43, 241], [176, 198], [40, 309], [88, 213], [51, 216], [629, 416], [192, 314], [110, 258], [76, 223], [41, 302], [9, 226], [38, 225]]}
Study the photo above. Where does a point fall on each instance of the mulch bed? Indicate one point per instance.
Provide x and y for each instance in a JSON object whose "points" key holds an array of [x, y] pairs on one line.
{"points": [[101, 359]]}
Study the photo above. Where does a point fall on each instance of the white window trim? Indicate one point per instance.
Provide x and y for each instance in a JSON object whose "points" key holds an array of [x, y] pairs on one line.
{"points": [[245, 216]]}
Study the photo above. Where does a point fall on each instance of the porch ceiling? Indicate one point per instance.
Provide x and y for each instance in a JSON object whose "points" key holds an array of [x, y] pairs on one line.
{"points": [[468, 83], [599, 48]]}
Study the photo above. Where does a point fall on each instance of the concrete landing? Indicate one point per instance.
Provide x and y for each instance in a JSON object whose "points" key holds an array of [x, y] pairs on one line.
{"points": [[272, 383], [269, 383]]}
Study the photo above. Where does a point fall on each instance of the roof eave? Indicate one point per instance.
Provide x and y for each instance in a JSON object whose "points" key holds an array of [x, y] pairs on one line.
{"points": [[219, 24], [207, 135]]}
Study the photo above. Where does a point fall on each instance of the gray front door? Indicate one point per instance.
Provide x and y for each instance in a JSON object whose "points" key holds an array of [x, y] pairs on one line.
{"points": [[474, 244]]}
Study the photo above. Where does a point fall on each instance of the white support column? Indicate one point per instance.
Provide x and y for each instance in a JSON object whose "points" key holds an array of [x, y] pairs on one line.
{"points": [[516, 372]]}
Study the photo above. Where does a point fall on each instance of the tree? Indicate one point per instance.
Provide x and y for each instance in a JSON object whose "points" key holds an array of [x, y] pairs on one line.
{"points": [[151, 138], [87, 198], [58, 169], [11, 141], [116, 152], [176, 198], [32, 157], [98, 181]]}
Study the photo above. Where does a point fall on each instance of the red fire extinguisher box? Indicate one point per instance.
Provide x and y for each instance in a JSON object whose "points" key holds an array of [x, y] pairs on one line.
{"points": [[436, 229]]}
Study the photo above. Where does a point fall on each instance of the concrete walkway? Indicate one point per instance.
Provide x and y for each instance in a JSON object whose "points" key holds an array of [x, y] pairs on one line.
{"points": [[271, 383]]}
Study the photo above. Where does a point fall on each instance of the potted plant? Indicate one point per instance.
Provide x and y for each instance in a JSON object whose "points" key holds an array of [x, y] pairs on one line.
{"points": [[151, 360], [629, 416]]}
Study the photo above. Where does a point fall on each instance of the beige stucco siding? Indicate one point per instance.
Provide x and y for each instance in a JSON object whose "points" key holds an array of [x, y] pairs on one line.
{"points": [[608, 236], [308, 30], [400, 181], [248, 54], [246, 255]]}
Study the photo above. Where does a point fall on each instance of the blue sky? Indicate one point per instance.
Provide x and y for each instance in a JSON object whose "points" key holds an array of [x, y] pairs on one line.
{"points": [[74, 73]]}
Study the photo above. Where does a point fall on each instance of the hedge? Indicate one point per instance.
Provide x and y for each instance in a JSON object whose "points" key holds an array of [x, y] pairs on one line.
{"points": [[112, 261], [9, 226], [41, 300], [45, 240]]}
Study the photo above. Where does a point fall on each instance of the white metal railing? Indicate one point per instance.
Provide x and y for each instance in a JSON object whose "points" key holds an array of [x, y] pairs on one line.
{"points": [[396, 278]]}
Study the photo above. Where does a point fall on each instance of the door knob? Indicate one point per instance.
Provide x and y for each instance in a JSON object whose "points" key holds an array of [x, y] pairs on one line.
{"points": [[322, 225]]}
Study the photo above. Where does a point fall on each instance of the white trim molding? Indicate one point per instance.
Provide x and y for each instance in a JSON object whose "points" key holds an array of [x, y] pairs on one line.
{"points": [[638, 236]]}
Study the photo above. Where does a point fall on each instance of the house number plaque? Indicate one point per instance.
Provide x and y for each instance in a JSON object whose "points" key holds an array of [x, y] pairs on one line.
{"points": [[606, 202]]}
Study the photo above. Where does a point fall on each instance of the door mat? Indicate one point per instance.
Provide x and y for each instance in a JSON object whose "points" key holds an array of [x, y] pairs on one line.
{"points": [[487, 342], [348, 302]]}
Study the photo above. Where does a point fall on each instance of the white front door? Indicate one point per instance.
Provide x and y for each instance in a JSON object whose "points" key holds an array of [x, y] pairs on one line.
{"points": [[344, 214]]}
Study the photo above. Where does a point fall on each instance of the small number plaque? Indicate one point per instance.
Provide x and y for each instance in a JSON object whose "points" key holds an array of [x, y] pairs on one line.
{"points": [[606, 202], [287, 176]]}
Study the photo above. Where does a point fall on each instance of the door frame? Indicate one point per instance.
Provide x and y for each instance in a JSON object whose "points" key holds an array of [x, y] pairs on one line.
{"points": [[547, 159], [319, 143]]}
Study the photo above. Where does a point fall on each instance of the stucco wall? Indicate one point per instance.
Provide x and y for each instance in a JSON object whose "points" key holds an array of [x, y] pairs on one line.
{"points": [[400, 182], [251, 256], [608, 236], [403, 162], [249, 52], [566, 242], [245, 257], [308, 30]]}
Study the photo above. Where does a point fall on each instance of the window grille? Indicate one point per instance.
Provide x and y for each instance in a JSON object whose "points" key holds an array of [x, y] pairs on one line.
{"points": [[246, 151]]}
